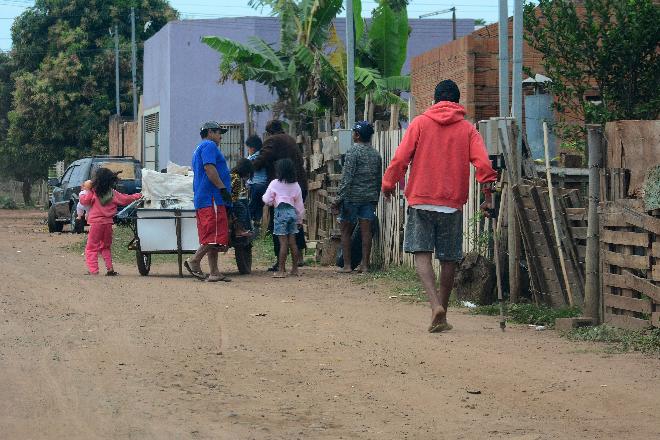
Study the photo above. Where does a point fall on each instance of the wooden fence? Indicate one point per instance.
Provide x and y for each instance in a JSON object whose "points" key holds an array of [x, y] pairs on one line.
{"points": [[630, 265]]}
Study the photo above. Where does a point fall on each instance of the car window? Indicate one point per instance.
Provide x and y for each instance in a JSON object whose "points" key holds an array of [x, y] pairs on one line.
{"points": [[67, 174], [128, 170], [77, 176]]}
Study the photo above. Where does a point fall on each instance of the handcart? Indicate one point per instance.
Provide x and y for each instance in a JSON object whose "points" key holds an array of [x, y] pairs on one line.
{"points": [[173, 231]]}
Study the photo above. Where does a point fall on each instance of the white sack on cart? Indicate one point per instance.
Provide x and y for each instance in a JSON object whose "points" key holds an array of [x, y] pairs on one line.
{"points": [[164, 190], [173, 168]]}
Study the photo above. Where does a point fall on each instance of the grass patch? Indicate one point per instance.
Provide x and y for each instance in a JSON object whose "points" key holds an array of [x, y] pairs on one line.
{"points": [[401, 281], [619, 340], [528, 313], [122, 235]]}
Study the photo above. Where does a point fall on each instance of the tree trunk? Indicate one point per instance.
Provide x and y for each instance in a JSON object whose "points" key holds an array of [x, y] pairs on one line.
{"points": [[248, 113], [27, 191]]}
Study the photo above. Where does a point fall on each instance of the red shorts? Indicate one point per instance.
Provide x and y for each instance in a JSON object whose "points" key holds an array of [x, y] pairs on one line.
{"points": [[212, 225]]}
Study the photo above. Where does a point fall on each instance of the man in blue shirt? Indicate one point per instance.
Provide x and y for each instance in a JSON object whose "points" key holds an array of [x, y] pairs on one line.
{"points": [[212, 196]]}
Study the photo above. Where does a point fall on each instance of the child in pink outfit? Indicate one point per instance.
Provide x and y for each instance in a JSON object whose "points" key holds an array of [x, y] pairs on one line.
{"points": [[102, 201], [285, 195]]}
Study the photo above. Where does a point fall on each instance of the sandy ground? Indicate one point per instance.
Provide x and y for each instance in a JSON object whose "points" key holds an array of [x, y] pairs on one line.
{"points": [[160, 357]]}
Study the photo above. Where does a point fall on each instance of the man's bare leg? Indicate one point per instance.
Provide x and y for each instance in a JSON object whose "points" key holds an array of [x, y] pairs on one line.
{"points": [[365, 232], [281, 258], [346, 232], [447, 272], [196, 260], [424, 268], [295, 254], [213, 261]]}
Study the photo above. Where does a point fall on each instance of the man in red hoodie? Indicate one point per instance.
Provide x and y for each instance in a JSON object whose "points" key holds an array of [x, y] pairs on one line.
{"points": [[439, 146]]}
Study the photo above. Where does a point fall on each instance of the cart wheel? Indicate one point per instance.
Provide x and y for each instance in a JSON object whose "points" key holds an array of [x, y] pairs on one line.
{"points": [[143, 262], [243, 255]]}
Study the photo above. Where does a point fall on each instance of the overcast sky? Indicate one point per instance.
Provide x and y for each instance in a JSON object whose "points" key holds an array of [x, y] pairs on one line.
{"points": [[486, 9]]}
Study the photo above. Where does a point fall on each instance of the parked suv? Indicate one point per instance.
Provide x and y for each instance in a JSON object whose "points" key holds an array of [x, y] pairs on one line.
{"points": [[62, 204]]}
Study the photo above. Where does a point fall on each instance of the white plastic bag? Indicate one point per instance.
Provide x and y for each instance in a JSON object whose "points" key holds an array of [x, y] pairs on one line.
{"points": [[165, 190]]}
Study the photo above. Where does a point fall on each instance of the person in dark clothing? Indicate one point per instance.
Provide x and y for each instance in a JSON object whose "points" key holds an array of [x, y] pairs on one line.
{"points": [[258, 183], [279, 145]]}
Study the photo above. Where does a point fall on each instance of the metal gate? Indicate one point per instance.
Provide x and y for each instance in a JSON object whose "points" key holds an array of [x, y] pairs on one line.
{"points": [[151, 128], [232, 143]]}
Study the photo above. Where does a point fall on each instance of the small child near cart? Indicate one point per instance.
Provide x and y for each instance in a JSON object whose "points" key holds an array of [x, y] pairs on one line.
{"points": [[102, 200], [83, 210], [239, 198], [285, 195]]}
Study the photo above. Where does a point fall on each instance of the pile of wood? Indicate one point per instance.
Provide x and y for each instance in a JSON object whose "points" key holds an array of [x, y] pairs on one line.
{"points": [[544, 258]]}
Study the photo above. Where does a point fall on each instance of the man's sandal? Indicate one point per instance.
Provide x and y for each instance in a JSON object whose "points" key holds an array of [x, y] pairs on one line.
{"points": [[196, 273], [215, 279]]}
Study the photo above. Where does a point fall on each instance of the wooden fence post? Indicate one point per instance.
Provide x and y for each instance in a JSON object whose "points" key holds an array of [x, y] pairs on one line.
{"points": [[592, 257]]}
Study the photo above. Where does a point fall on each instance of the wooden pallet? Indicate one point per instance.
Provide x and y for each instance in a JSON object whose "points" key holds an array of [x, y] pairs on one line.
{"points": [[630, 263], [533, 208]]}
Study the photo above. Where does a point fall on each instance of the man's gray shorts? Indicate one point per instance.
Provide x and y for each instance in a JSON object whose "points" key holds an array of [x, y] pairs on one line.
{"points": [[426, 231]]}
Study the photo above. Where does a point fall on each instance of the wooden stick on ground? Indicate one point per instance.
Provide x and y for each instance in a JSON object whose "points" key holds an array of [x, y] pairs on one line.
{"points": [[555, 225]]}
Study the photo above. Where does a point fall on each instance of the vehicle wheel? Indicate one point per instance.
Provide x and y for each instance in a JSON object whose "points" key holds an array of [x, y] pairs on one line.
{"points": [[53, 224], [77, 226], [243, 255], [143, 262]]}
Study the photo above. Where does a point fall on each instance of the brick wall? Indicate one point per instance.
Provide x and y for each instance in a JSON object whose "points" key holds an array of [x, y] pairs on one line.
{"points": [[471, 61]]}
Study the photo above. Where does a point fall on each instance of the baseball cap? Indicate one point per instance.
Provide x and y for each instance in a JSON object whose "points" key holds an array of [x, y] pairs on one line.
{"points": [[213, 125], [364, 129]]}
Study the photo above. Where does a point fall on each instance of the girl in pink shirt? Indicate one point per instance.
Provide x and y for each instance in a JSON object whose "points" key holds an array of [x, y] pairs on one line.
{"points": [[102, 201], [285, 195]]}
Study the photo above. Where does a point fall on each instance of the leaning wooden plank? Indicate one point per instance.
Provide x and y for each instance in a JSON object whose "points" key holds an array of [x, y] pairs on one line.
{"points": [[655, 319], [630, 281], [538, 281], [623, 260], [625, 303], [628, 322], [625, 238], [552, 276]]}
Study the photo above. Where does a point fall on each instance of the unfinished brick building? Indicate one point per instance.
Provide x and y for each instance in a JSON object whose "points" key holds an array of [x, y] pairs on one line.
{"points": [[471, 61]]}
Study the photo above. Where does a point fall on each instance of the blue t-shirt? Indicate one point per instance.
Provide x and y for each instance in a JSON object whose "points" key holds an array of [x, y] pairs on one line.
{"points": [[205, 192], [260, 176]]}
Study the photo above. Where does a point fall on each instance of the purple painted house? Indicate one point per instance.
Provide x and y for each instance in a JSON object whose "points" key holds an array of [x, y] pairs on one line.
{"points": [[181, 88]]}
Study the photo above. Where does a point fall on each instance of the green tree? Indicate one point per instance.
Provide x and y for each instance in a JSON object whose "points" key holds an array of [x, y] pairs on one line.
{"points": [[63, 78], [611, 45]]}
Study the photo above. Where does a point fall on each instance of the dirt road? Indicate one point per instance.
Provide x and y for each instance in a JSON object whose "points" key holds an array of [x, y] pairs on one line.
{"points": [[160, 357]]}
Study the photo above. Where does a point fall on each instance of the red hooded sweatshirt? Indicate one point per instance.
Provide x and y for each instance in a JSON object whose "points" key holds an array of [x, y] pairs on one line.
{"points": [[441, 144]]}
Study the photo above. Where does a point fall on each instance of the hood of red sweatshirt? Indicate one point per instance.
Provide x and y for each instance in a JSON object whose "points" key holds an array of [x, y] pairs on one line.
{"points": [[446, 113]]}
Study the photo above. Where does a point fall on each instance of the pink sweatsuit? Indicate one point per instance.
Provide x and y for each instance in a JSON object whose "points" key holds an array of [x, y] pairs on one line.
{"points": [[100, 222]]}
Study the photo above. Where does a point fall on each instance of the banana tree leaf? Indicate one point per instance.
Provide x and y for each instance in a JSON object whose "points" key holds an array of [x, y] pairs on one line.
{"points": [[388, 39], [397, 83]]}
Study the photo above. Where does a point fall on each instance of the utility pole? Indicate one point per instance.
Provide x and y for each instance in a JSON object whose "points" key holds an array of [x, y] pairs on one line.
{"points": [[134, 64], [350, 65], [117, 69], [516, 86], [503, 34]]}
